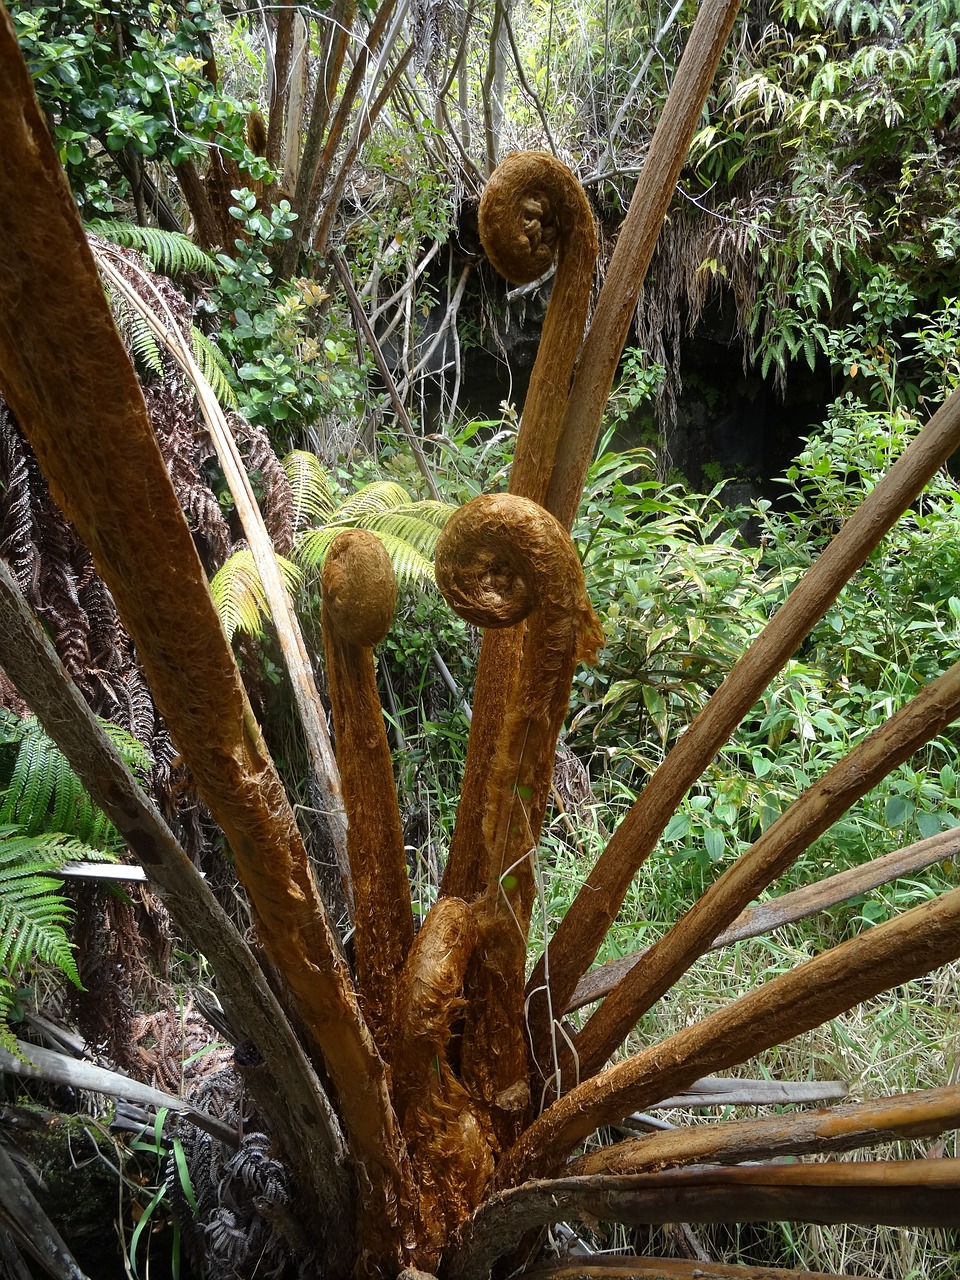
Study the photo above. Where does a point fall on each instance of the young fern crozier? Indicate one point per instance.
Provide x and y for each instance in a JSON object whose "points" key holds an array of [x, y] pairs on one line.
{"points": [[359, 599], [504, 562]]}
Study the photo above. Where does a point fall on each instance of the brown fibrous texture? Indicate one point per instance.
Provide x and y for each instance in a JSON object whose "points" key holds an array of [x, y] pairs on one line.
{"points": [[359, 598]]}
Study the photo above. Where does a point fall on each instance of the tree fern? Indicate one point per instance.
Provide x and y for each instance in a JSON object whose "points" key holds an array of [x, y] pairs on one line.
{"points": [[169, 252]]}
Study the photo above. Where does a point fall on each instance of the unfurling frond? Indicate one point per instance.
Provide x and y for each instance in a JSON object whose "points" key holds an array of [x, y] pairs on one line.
{"points": [[313, 498], [238, 592], [169, 252]]}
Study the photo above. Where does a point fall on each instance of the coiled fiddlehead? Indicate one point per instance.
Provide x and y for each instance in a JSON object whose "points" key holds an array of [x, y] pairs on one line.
{"points": [[532, 210], [501, 560]]}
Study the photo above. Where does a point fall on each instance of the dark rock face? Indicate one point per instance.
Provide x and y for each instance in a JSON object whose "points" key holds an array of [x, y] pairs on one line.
{"points": [[718, 423], [734, 425]]}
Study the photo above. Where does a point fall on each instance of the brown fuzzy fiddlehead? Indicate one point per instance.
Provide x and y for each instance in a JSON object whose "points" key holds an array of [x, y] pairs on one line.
{"points": [[502, 560], [359, 598], [532, 211]]}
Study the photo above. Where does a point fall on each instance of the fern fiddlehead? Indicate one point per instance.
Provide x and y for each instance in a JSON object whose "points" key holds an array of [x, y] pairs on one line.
{"points": [[532, 210], [503, 560], [359, 598]]}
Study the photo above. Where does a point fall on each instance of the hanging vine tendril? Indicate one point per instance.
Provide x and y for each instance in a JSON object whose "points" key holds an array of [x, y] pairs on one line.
{"points": [[359, 599]]}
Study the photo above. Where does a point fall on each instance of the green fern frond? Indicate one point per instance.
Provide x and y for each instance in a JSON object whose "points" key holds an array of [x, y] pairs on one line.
{"points": [[169, 252], [409, 530], [313, 498], [380, 495], [8, 1004], [44, 794], [411, 568], [238, 592], [135, 755], [214, 366], [410, 524], [28, 793], [137, 334], [311, 547], [409, 564], [143, 343], [33, 913]]}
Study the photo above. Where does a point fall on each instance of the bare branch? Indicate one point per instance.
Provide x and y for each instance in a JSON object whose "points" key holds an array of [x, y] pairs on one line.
{"points": [[922, 1114], [788, 908]]}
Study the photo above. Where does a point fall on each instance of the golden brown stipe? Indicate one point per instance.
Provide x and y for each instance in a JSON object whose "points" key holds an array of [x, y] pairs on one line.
{"points": [[85, 416], [359, 599], [446, 1135]]}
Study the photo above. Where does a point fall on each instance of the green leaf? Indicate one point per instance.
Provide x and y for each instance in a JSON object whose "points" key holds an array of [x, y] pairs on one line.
{"points": [[678, 828], [929, 824], [715, 843], [897, 810]]}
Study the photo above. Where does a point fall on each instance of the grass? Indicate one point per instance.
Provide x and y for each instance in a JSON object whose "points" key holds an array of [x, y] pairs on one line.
{"points": [[905, 1039]]}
